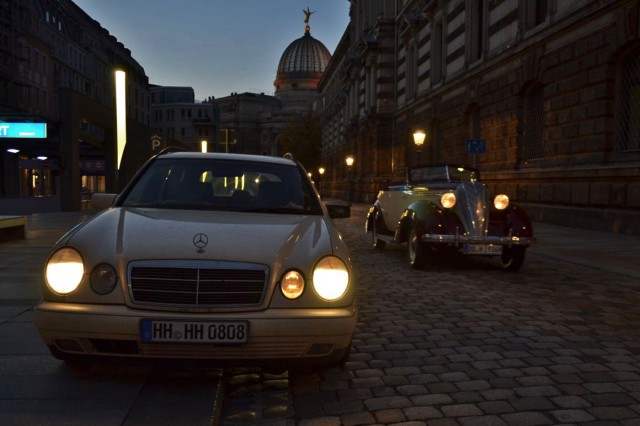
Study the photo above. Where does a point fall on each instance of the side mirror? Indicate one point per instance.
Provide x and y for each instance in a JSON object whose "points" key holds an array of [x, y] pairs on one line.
{"points": [[102, 201], [338, 211]]}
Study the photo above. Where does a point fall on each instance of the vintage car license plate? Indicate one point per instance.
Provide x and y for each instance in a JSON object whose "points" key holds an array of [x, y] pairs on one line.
{"points": [[482, 249], [221, 332]]}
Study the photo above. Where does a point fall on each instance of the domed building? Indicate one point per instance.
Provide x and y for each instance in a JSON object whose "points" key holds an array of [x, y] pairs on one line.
{"points": [[250, 122], [300, 69]]}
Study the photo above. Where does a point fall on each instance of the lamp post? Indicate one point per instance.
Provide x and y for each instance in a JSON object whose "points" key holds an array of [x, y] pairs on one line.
{"points": [[226, 139], [349, 160], [321, 173], [418, 139]]}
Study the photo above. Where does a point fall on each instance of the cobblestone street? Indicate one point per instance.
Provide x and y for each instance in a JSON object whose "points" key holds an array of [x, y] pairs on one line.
{"points": [[468, 344]]}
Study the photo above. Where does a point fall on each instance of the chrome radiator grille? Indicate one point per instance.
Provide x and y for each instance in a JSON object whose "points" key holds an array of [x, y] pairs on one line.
{"points": [[197, 285], [474, 211]]}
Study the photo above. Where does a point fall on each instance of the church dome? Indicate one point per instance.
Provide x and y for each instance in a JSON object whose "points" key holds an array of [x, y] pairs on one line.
{"points": [[305, 55], [300, 69]]}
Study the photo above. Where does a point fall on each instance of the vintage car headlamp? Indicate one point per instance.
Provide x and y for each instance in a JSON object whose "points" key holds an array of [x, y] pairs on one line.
{"points": [[330, 278], [64, 271], [501, 202], [292, 284], [448, 200], [103, 279]]}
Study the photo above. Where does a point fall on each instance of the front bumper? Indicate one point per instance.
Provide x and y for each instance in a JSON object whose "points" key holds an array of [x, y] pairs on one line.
{"points": [[304, 336], [457, 239]]}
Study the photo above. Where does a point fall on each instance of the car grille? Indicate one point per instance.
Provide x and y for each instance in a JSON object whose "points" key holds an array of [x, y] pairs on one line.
{"points": [[474, 211], [203, 284]]}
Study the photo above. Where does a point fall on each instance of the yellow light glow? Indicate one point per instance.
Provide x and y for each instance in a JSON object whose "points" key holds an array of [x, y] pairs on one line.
{"points": [[331, 278], [64, 271], [448, 200], [121, 114], [203, 146], [501, 202], [418, 138]]}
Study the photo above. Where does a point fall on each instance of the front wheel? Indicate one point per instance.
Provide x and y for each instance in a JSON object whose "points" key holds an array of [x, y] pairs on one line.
{"points": [[416, 250], [512, 258]]}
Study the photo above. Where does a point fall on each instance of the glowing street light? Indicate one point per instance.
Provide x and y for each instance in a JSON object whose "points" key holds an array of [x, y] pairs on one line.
{"points": [[203, 146], [121, 114], [349, 160], [418, 139]]}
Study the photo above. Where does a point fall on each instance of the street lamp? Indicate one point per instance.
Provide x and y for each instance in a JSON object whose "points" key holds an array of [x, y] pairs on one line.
{"points": [[203, 146], [321, 172], [226, 139], [350, 160], [418, 139]]}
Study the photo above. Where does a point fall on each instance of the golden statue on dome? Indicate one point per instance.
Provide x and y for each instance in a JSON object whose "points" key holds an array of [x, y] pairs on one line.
{"points": [[307, 14]]}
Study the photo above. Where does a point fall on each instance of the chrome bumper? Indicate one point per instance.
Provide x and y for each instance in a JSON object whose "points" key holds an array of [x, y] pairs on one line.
{"points": [[508, 240]]}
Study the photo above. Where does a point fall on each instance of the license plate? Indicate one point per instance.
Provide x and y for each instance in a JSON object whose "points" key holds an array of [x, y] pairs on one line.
{"points": [[220, 332], [482, 249]]}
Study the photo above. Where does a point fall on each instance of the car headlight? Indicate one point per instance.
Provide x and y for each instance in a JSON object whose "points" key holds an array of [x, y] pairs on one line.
{"points": [[448, 200], [501, 202], [331, 278], [103, 279], [64, 271], [292, 284]]}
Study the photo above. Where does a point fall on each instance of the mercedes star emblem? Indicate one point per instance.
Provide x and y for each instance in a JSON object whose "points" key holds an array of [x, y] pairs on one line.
{"points": [[200, 241]]}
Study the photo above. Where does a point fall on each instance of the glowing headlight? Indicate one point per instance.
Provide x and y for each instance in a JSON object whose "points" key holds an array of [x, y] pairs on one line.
{"points": [[501, 202], [448, 200], [103, 279], [331, 278], [292, 284], [64, 271]]}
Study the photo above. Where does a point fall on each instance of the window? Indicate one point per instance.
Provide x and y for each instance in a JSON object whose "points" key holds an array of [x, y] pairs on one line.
{"points": [[475, 29], [411, 71], [535, 12], [437, 52], [628, 99], [533, 137]]}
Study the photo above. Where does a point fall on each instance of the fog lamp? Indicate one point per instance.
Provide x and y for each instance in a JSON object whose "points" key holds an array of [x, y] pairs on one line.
{"points": [[292, 284]]}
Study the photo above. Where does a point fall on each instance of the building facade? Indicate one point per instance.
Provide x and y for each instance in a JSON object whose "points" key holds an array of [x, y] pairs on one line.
{"points": [[178, 120], [550, 88], [57, 68]]}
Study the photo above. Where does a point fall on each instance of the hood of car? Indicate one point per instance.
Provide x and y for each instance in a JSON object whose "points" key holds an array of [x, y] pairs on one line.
{"points": [[149, 234]]}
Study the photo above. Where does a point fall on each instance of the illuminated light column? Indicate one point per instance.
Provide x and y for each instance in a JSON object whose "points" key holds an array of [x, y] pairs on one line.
{"points": [[204, 146], [121, 114]]}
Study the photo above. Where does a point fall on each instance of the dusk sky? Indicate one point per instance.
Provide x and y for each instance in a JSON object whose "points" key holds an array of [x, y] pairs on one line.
{"points": [[216, 46]]}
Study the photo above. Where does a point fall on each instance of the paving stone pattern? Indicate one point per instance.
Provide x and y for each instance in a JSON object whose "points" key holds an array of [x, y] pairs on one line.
{"points": [[465, 343]]}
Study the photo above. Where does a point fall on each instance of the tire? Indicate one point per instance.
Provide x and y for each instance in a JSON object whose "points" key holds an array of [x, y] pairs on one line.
{"points": [[376, 242], [416, 250], [512, 258]]}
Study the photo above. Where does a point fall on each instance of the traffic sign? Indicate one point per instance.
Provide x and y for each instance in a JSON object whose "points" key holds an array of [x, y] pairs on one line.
{"points": [[476, 146]]}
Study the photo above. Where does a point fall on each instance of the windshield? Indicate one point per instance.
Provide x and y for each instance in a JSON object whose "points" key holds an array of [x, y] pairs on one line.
{"points": [[231, 185], [442, 174]]}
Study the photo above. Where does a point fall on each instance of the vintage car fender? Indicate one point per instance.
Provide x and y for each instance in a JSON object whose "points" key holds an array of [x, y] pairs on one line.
{"points": [[428, 217], [512, 219]]}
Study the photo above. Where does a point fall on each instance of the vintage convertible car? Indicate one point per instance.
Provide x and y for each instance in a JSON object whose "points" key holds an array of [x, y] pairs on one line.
{"points": [[204, 258], [445, 208]]}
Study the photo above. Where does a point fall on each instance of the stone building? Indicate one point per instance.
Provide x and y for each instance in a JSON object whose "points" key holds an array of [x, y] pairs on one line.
{"points": [[248, 123], [57, 68], [552, 87]]}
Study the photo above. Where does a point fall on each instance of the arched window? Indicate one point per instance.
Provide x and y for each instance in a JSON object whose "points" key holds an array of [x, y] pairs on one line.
{"points": [[628, 101]]}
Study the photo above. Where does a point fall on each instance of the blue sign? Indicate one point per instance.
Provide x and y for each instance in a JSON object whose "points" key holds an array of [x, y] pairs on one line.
{"points": [[23, 130], [476, 146]]}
